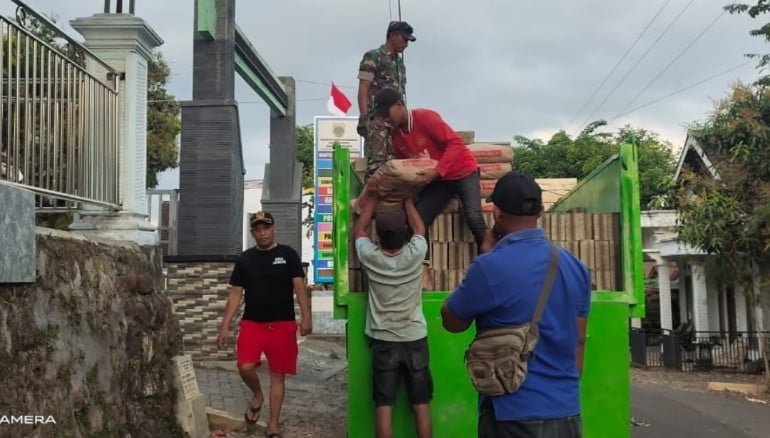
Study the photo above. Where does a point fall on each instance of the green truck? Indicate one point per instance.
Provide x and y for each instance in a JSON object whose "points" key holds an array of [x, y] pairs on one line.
{"points": [[605, 384]]}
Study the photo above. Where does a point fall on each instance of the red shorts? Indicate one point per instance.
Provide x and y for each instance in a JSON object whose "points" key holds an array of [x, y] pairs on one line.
{"points": [[278, 340]]}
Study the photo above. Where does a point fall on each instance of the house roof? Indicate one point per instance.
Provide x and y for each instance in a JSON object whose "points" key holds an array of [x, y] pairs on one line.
{"points": [[695, 158]]}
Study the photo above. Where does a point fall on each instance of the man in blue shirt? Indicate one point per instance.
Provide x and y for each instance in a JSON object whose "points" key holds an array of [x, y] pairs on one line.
{"points": [[501, 288]]}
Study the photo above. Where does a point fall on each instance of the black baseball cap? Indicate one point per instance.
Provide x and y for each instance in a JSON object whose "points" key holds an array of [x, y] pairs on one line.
{"points": [[517, 194], [261, 217], [403, 27], [385, 99]]}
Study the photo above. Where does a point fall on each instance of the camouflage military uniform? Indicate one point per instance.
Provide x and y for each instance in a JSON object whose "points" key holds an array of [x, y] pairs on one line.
{"points": [[384, 70]]}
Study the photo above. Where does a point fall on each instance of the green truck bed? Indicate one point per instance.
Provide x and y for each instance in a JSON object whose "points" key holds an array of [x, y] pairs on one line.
{"points": [[605, 385]]}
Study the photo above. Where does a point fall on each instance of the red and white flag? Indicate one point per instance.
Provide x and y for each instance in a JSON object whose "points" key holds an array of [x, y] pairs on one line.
{"points": [[338, 103]]}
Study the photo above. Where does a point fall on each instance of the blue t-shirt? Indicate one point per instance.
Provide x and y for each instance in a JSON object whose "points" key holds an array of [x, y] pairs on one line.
{"points": [[501, 288]]}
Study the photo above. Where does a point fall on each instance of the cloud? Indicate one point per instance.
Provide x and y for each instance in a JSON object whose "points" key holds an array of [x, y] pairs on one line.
{"points": [[498, 67]]}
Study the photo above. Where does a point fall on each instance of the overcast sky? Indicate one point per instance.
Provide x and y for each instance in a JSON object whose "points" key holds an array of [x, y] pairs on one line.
{"points": [[499, 67]]}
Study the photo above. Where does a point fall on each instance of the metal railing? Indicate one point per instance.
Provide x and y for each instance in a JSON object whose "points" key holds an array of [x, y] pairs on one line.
{"points": [[700, 351], [58, 123], [162, 212]]}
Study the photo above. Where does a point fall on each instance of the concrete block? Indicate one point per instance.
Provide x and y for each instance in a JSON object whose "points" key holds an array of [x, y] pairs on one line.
{"points": [[17, 235], [743, 388]]}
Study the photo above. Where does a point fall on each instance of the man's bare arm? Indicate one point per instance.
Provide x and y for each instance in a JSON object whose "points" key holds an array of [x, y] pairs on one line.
{"points": [[306, 318], [233, 301], [363, 96], [581, 326], [415, 221], [451, 322], [362, 224]]}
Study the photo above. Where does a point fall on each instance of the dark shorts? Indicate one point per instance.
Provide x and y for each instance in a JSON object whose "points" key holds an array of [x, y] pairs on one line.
{"points": [[391, 360], [277, 340], [489, 427]]}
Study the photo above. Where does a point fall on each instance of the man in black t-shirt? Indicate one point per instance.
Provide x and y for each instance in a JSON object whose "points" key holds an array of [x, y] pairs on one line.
{"points": [[268, 277]]}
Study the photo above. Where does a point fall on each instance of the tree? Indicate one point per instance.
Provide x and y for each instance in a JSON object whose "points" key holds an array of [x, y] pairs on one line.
{"points": [[305, 152], [755, 10], [163, 124], [730, 215], [564, 157]]}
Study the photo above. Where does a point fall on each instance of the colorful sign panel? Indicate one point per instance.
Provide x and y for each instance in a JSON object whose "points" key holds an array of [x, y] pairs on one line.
{"points": [[327, 132]]}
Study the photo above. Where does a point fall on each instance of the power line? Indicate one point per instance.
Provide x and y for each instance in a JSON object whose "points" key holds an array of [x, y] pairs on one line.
{"points": [[676, 58], [617, 64], [390, 9], [639, 61], [319, 99], [328, 84], [681, 90]]}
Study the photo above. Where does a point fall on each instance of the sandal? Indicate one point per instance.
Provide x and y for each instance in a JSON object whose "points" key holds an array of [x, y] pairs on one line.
{"points": [[253, 411]]}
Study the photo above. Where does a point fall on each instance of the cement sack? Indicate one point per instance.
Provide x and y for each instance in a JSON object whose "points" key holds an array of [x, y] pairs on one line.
{"points": [[494, 170], [487, 186], [397, 180], [491, 153]]}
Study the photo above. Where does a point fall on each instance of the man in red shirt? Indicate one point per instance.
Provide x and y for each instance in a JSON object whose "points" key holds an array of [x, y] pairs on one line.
{"points": [[419, 132]]}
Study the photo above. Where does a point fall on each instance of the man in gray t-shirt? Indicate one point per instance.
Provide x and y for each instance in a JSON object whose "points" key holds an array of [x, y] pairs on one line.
{"points": [[394, 320]]}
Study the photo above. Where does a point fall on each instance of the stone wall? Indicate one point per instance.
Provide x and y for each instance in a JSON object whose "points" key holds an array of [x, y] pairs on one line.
{"points": [[89, 342], [199, 290]]}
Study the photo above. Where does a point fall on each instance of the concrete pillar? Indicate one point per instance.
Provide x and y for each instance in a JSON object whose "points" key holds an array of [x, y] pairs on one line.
{"points": [[713, 297], [124, 42], [741, 316], [664, 292], [282, 193], [684, 303], [700, 304], [761, 317]]}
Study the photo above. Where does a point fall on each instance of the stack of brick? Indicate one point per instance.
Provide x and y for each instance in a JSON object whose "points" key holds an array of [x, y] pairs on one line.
{"points": [[592, 237]]}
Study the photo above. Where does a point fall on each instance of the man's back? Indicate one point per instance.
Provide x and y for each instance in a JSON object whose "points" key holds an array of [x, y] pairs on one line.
{"points": [[395, 289], [501, 288]]}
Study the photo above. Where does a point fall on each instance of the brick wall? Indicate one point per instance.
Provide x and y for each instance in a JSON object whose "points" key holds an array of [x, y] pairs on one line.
{"points": [[199, 291]]}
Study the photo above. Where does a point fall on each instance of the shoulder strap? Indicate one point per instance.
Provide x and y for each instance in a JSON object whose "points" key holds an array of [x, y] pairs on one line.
{"points": [[545, 291]]}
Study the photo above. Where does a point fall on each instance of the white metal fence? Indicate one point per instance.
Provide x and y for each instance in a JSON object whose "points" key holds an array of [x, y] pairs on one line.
{"points": [[58, 123]]}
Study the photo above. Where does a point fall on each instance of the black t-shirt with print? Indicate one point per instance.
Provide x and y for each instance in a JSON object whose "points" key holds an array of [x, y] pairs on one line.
{"points": [[267, 279]]}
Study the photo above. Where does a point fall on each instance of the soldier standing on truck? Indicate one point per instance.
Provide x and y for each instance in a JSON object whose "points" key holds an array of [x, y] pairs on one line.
{"points": [[381, 68]]}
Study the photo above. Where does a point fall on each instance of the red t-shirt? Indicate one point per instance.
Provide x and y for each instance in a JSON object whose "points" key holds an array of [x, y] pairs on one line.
{"points": [[428, 131]]}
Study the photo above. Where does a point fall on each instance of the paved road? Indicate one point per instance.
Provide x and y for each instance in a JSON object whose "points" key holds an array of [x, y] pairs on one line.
{"points": [[678, 413]]}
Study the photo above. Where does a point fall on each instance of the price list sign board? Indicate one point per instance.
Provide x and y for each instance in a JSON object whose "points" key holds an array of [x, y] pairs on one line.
{"points": [[327, 132]]}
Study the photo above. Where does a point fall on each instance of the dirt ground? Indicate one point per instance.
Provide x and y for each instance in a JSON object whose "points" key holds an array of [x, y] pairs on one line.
{"points": [[316, 399], [697, 381]]}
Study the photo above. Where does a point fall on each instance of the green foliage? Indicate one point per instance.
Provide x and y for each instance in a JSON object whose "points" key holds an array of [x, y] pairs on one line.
{"points": [[731, 215], [163, 124], [305, 154], [565, 157], [761, 7], [305, 151]]}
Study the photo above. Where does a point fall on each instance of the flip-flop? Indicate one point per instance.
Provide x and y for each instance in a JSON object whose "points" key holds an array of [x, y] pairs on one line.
{"points": [[254, 411]]}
